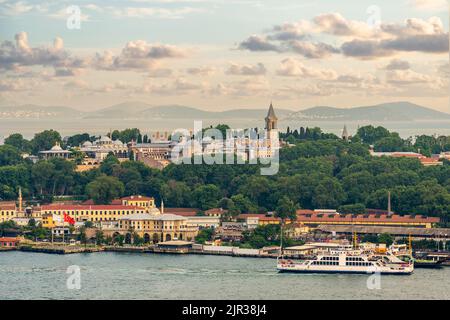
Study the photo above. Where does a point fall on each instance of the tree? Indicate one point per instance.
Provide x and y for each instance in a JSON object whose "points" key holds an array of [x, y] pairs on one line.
{"points": [[389, 144], [99, 237], [328, 194], [137, 240], [45, 140], [243, 204], [104, 189], [370, 134], [385, 238], [78, 139], [118, 239], [206, 197], [286, 209], [109, 163], [204, 235], [9, 155], [88, 224], [82, 236], [356, 208], [16, 140], [32, 223]]}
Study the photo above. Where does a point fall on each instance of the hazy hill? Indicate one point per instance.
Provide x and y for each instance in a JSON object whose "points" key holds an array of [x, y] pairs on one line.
{"points": [[133, 110], [394, 111], [30, 111]]}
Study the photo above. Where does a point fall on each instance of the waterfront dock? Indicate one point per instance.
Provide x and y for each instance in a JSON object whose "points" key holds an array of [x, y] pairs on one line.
{"points": [[59, 249]]}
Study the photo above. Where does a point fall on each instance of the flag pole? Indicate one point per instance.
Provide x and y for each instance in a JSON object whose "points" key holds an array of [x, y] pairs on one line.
{"points": [[64, 224]]}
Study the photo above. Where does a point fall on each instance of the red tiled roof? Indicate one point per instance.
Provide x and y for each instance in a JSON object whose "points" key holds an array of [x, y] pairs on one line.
{"points": [[406, 154], [138, 198], [7, 239], [91, 202], [250, 215], [269, 219], [304, 211], [432, 160], [366, 218], [7, 205], [89, 207], [215, 211], [185, 212]]}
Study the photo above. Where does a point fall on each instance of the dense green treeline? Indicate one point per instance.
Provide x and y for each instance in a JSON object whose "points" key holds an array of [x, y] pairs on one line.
{"points": [[320, 172]]}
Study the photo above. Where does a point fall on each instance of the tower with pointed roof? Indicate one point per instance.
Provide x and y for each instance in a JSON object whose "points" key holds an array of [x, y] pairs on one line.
{"points": [[345, 135], [271, 123]]}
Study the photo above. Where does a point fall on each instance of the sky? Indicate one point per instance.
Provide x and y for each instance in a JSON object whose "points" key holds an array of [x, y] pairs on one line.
{"points": [[224, 54]]}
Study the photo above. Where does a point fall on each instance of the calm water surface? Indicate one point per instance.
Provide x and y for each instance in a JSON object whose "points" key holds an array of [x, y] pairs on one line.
{"points": [[28, 127], [149, 276]]}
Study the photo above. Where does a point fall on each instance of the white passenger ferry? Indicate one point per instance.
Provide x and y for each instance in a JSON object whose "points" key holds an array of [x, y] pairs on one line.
{"points": [[347, 260]]}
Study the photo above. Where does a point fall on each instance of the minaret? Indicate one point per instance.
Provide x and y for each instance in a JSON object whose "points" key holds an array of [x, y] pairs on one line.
{"points": [[389, 203], [271, 123], [20, 199], [162, 206], [345, 135]]}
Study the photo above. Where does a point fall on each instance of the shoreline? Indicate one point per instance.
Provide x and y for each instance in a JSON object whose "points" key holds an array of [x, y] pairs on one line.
{"points": [[63, 250]]}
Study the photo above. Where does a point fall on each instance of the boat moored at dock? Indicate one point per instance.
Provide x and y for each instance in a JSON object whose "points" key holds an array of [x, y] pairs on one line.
{"points": [[347, 260]]}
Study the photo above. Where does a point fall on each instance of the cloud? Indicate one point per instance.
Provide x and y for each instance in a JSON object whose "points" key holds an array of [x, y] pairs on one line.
{"points": [[336, 24], [360, 40], [67, 72], [429, 43], [145, 12], [258, 86], [291, 31], [313, 50], [178, 87], [19, 54], [201, 71], [444, 70], [160, 73], [137, 55], [365, 49], [246, 69], [397, 64], [430, 5], [404, 77], [315, 89], [16, 8], [258, 43], [370, 49], [12, 85], [414, 26], [291, 67]]}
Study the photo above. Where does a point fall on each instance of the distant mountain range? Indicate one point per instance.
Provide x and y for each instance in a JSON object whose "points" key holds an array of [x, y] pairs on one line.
{"points": [[395, 111]]}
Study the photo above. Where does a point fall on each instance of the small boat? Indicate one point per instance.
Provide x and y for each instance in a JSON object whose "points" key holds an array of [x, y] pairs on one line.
{"points": [[428, 263]]}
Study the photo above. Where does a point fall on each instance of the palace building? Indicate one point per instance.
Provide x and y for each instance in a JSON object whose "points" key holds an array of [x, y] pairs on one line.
{"points": [[8, 211], [55, 152], [158, 228]]}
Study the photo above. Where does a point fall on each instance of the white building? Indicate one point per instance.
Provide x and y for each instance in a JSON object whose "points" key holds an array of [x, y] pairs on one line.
{"points": [[98, 150]]}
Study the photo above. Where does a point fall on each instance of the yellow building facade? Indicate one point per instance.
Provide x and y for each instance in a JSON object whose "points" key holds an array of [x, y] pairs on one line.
{"points": [[8, 211], [158, 228], [93, 213], [139, 201]]}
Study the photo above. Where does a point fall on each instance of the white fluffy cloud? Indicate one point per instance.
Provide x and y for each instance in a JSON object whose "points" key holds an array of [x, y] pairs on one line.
{"points": [[291, 67], [19, 54], [137, 55], [247, 69], [357, 39], [397, 64]]}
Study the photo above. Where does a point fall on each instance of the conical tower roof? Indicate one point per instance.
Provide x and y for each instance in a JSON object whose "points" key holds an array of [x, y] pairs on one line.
{"points": [[271, 114], [345, 132]]}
